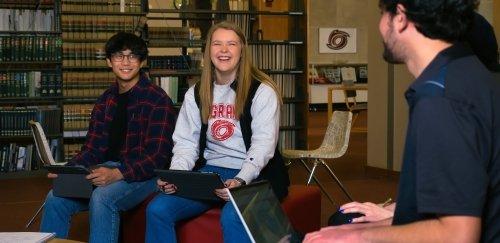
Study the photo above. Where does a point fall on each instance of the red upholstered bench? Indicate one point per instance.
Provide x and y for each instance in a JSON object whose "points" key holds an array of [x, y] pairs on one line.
{"points": [[302, 206]]}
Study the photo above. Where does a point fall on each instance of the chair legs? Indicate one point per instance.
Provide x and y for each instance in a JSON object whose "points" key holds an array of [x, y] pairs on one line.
{"points": [[311, 176], [336, 180]]}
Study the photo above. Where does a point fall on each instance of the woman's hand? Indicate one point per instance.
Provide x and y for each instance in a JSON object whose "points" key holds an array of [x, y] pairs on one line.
{"points": [[223, 192], [166, 187]]}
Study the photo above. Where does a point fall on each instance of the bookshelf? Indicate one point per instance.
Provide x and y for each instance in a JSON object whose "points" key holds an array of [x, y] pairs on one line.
{"points": [[30, 79], [275, 30]]}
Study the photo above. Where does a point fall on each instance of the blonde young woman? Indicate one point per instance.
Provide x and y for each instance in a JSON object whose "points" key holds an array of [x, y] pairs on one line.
{"points": [[218, 118]]}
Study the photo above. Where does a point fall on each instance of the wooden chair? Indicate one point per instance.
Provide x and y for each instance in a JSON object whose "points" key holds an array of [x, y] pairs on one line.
{"points": [[334, 146], [350, 94]]}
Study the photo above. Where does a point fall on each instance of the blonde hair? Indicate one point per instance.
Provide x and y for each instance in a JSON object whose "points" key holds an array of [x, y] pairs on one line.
{"points": [[246, 72]]}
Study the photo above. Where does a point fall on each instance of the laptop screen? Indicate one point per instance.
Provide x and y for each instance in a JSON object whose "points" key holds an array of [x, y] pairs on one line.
{"points": [[262, 214]]}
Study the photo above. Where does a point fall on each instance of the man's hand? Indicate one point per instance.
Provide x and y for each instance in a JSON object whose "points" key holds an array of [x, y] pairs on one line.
{"points": [[373, 212], [103, 176]]}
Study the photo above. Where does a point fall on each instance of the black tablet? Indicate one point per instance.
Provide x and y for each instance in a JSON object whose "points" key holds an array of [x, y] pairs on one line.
{"points": [[193, 184], [62, 169]]}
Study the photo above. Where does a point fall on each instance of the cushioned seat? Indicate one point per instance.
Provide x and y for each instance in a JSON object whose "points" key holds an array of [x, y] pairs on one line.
{"points": [[302, 206]]}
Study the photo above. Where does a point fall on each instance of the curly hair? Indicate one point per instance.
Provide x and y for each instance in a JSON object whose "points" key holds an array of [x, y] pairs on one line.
{"points": [[447, 20]]}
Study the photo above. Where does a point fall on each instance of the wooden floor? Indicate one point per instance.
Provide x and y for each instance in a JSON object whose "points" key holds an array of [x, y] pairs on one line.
{"points": [[20, 198]]}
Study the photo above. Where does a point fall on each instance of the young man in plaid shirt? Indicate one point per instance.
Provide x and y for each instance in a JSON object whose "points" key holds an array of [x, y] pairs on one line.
{"points": [[130, 135]]}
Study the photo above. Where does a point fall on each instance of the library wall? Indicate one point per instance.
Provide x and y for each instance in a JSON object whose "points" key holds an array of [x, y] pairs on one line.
{"points": [[341, 14]]}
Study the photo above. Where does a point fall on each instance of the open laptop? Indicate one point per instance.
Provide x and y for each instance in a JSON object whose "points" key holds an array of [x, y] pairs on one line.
{"points": [[193, 184], [70, 181], [261, 213]]}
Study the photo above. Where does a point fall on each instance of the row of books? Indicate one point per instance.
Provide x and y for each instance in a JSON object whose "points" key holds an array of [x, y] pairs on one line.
{"points": [[26, 2], [90, 83], [14, 120], [176, 33], [115, 6], [27, 20], [279, 56], [15, 157], [172, 62], [286, 84], [287, 118], [26, 47], [71, 149], [99, 26], [77, 116], [171, 86], [84, 54], [30, 83], [24, 157], [242, 20], [287, 139]]}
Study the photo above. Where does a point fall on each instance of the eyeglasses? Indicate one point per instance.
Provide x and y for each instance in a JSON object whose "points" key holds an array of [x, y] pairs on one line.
{"points": [[120, 57]]}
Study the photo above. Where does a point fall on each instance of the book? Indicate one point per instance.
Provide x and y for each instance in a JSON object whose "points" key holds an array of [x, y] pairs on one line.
{"points": [[25, 237]]}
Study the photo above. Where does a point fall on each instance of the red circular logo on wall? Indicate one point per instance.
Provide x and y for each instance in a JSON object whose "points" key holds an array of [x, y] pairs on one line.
{"points": [[337, 39], [222, 130]]}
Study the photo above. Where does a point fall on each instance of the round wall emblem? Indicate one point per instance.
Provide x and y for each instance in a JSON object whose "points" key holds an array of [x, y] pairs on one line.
{"points": [[337, 40]]}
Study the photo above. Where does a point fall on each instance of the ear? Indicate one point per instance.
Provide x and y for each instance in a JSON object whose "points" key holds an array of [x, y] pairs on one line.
{"points": [[400, 20], [109, 63]]}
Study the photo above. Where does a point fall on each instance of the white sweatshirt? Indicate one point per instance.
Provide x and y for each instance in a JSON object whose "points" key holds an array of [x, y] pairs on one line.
{"points": [[225, 145]]}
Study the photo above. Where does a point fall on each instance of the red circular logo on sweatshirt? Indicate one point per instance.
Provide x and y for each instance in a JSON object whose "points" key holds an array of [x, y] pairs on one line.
{"points": [[222, 130]]}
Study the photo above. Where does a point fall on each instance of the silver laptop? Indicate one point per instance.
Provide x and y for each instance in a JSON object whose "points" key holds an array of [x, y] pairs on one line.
{"points": [[261, 213]]}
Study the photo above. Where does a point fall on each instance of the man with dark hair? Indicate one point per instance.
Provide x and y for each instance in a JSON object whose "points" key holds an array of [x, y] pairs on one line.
{"points": [[129, 135], [450, 180]]}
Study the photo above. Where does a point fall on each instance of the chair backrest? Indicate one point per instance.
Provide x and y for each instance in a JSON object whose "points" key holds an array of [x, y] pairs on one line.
{"points": [[337, 133], [349, 93], [41, 144]]}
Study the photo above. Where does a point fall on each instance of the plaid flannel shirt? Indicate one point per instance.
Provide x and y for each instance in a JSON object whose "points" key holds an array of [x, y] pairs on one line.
{"points": [[148, 144]]}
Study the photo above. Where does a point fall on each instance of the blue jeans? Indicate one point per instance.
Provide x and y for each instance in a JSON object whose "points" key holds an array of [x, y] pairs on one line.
{"points": [[104, 208], [165, 210]]}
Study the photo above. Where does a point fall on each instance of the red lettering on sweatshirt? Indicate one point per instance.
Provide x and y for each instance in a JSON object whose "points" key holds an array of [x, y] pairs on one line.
{"points": [[222, 111]]}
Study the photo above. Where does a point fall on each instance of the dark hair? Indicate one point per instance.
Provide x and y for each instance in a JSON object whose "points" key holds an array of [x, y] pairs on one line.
{"points": [[447, 20], [123, 41]]}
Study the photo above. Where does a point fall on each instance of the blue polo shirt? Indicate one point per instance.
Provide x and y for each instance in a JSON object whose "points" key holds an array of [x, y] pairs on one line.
{"points": [[451, 162]]}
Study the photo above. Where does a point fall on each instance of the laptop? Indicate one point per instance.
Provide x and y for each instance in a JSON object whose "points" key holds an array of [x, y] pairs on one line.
{"points": [[193, 184], [261, 213], [70, 181]]}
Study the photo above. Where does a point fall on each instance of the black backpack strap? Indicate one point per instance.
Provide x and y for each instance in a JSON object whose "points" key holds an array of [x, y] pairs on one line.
{"points": [[246, 117], [203, 138], [275, 171]]}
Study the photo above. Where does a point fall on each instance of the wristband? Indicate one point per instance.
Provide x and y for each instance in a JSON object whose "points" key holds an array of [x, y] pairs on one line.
{"points": [[241, 181]]}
